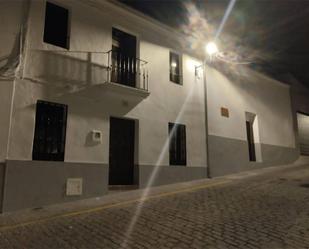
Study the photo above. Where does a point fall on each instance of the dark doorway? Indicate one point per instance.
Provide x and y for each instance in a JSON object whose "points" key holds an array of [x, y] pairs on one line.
{"points": [[121, 151], [250, 139], [124, 58]]}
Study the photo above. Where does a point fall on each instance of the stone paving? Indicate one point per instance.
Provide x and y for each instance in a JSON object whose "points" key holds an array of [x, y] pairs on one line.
{"points": [[264, 211]]}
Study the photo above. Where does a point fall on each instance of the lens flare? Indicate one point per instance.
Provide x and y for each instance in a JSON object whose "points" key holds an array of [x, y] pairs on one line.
{"points": [[154, 172], [225, 17], [196, 22]]}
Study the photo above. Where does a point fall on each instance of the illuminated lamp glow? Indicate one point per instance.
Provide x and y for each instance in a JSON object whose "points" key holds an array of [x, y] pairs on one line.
{"points": [[174, 64], [211, 48]]}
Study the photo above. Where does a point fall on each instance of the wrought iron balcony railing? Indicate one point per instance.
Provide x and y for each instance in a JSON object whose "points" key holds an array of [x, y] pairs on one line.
{"points": [[127, 70]]}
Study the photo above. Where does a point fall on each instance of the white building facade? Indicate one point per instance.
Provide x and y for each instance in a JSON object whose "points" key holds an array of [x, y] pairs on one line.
{"points": [[94, 94], [259, 130]]}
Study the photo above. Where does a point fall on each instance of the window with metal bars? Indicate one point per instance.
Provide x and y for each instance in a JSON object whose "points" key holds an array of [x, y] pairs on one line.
{"points": [[50, 131], [177, 145]]}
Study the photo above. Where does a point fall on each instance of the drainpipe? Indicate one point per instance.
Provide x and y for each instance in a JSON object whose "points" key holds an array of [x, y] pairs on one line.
{"points": [[19, 73]]}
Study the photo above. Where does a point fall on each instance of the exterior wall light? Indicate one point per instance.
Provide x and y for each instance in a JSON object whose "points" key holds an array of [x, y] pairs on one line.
{"points": [[198, 71]]}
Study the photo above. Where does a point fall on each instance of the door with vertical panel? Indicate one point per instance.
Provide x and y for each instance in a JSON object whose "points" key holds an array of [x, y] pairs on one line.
{"points": [[121, 151]]}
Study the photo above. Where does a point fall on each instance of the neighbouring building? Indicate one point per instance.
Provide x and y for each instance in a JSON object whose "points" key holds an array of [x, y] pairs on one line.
{"points": [[250, 121], [93, 93], [300, 108]]}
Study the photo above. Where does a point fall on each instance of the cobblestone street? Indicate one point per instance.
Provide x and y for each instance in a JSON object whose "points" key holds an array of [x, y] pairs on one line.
{"points": [[270, 210]]}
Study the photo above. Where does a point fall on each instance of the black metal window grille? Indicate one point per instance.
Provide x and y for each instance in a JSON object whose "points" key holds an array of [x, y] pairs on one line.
{"points": [[177, 145], [56, 27], [174, 68], [50, 131]]}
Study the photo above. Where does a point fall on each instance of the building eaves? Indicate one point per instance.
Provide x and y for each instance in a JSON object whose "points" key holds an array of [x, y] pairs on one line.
{"points": [[155, 25]]}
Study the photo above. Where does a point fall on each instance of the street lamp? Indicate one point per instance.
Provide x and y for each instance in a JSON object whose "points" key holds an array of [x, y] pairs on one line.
{"points": [[211, 50]]}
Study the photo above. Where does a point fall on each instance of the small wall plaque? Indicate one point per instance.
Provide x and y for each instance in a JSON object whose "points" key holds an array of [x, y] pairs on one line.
{"points": [[225, 112]]}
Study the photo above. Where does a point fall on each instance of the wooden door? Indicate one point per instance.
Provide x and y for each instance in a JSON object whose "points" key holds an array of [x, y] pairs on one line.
{"points": [[121, 151]]}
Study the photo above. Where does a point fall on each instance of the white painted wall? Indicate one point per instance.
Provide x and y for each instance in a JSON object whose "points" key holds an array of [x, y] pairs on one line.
{"points": [[11, 13], [91, 31], [252, 92]]}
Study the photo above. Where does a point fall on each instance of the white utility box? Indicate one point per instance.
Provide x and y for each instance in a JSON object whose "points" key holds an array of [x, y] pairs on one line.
{"points": [[74, 186]]}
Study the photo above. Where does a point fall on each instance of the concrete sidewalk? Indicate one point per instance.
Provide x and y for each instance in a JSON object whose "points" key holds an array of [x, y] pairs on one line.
{"points": [[118, 199]]}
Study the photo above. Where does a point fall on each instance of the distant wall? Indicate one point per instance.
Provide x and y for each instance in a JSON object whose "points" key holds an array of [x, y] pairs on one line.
{"points": [[300, 99], [303, 133], [300, 104]]}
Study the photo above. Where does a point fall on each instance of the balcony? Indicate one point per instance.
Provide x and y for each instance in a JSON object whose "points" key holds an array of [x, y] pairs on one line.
{"points": [[127, 73], [91, 74]]}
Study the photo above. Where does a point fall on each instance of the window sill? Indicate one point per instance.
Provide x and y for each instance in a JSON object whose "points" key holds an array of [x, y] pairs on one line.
{"points": [[176, 83]]}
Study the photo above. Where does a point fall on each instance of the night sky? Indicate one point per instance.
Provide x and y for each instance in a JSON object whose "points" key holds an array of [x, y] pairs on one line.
{"points": [[271, 33]]}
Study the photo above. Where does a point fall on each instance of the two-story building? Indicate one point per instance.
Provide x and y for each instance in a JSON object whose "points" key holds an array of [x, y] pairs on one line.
{"points": [[93, 93]]}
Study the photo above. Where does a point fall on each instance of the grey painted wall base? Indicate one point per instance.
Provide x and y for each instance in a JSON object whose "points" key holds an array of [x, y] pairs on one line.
{"points": [[31, 184], [28, 184], [169, 174], [228, 156]]}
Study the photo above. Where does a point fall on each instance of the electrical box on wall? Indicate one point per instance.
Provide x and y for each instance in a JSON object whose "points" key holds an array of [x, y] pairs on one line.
{"points": [[96, 136], [74, 186]]}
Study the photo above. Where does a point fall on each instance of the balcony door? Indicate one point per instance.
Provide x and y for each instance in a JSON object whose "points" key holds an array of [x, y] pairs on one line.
{"points": [[123, 58]]}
